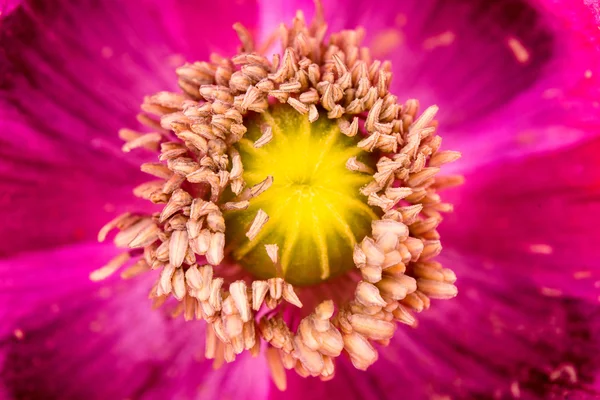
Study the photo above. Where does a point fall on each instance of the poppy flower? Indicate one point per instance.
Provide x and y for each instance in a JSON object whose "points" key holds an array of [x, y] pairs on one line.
{"points": [[289, 239]]}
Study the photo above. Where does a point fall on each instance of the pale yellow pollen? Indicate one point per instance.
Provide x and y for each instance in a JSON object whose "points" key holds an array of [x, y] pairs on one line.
{"points": [[431, 249], [110, 267], [515, 390], [373, 254], [215, 252], [178, 246], [436, 289], [325, 310], [164, 283], [201, 243], [540, 248], [107, 52], [551, 292], [582, 274], [401, 314], [520, 52], [275, 288], [240, 297], [272, 252], [178, 284], [136, 269], [257, 189], [362, 354], [212, 344], [19, 334], [149, 140], [266, 137], [290, 296], [112, 225], [399, 193], [368, 295], [206, 277], [372, 327], [562, 370], [386, 41], [389, 226], [441, 40], [96, 326], [443, 157], [371, 274], [349, 129], [313, 113], [215, 300], [400, 20], [552, 93], [311, 360], [588, 74], [298, 105], [414, 246], [219, 358], [144, 237], [257, 224], [395, 287], [354, 165], [105, 292], [276, 368], [259, 292], [233, 205]]}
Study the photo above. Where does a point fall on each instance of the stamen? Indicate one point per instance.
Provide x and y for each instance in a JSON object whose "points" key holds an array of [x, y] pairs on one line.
{"points": [[276, 367], [273, 252], [259, 221], [110, 267], [519, 51], [265, 138]]}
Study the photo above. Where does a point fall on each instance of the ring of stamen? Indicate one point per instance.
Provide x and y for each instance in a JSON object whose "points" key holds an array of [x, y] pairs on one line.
{"points": [[197, 133]]}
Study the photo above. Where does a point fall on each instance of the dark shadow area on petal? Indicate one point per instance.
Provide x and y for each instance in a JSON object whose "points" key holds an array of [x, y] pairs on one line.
{"points": [[456, 53]]}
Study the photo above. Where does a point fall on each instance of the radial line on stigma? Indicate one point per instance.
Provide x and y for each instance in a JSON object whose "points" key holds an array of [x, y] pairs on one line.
{"points": [[330, 140], [321, 247], [288, 245], [342, 225], [354, 203]]}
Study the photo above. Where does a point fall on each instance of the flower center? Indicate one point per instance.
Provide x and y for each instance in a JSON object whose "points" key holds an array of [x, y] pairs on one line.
{"points": [[338, 177], [316, 212]]}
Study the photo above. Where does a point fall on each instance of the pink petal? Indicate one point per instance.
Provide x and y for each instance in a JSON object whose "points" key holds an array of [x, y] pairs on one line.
{"points": [[65, 337]]}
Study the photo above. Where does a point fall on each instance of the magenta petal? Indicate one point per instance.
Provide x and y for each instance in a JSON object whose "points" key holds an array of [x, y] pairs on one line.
{"points": [[63, 336], [348, 383], [537, 216], [50, 204], [7, 6], [71, 75], [499, 337]]}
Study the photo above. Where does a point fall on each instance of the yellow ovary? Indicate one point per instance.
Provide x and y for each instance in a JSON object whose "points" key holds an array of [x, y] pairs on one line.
{"points": [[316, 212]]}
